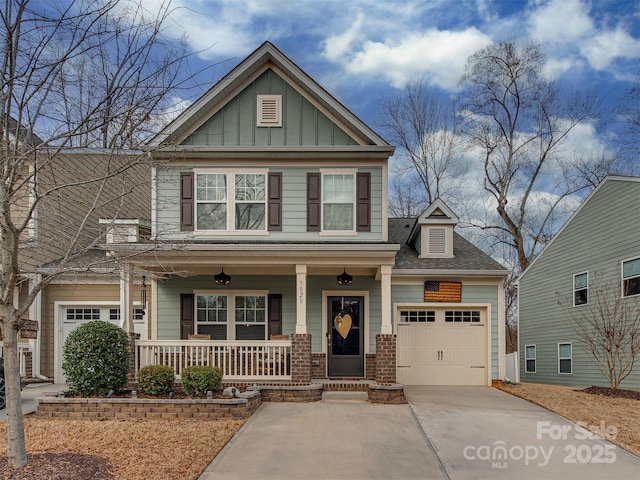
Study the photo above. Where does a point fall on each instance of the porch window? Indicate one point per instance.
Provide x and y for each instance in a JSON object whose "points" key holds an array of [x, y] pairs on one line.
{"points": [[231, 201], [631, 277], [250, 317], [338, 202], [211, 315], [581, 289]]}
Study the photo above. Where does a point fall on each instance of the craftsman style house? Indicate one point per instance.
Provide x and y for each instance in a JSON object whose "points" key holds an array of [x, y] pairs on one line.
{"points": [[272, 255], [591, 266]]}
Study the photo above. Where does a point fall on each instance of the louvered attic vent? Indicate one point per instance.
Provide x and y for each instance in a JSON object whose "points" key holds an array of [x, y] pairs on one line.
{"points": [[269, 111]]}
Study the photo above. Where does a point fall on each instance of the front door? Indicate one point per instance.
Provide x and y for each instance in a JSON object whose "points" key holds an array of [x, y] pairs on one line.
{"points": [[345, 336]]}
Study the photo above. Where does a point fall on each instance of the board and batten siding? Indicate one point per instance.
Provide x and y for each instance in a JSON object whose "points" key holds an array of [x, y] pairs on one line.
{"points": [[294, 210], [604, 232], [302, 123], [471, 294]]}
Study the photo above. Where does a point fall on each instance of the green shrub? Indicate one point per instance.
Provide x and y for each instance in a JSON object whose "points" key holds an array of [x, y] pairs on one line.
{"points": [[96, 358], [156, 379], [199, 379]]}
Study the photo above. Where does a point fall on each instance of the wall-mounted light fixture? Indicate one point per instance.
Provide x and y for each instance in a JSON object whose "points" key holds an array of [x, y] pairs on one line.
{"points": [[344, 278], [222, 278]]}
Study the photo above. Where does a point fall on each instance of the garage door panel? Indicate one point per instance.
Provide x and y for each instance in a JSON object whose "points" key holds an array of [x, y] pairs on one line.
{"points": [[442, 353]]}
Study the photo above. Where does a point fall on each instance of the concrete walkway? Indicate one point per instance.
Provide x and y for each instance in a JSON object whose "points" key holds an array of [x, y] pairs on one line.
{"points": [[481, 433], [327, 440], [30, 393]]}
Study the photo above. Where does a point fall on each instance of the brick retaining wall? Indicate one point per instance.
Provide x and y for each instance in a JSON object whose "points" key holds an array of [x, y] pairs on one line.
{"points": [[389, 394], [290, 393], [242, 406]]}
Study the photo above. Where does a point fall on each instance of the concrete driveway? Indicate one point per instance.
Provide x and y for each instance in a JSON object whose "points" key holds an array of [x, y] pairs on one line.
{"points": [[327, 440], [481, 433]]}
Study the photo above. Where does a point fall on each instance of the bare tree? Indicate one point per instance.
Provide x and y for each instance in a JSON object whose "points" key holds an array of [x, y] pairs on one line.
{"points": [[609, 328], [425, 130], [79, 74], [519, 120], [406, 198]]}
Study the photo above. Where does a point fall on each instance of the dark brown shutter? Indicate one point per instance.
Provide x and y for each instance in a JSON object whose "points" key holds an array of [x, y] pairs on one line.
{"points": [[186, 315], [275, 314], [275, 202], [186, 201], [363, 202], [313, 202]]}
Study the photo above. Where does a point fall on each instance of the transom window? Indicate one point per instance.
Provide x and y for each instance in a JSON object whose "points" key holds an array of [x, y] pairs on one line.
{"points": [[631, 277], [581, 289], [114, 314], [565, 358], [530, 358], [83, 314], [231, 201], [462, 316], [417, 316], [338, 201], [246, 321]]}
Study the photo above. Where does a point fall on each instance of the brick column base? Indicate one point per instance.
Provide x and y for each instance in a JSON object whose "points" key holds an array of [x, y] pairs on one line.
{"points": [[301, 358], [131, 377], [385, 359]]}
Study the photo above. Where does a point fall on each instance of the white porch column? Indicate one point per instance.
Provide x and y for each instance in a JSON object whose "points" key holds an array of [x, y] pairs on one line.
{"points": [[126, 301], [35, 313], [301, 299], [385, 294]]}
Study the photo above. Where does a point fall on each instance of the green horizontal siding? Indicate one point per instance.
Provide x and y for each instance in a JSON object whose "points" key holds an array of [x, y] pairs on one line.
{"points": [[294, 210], [602, 234]]}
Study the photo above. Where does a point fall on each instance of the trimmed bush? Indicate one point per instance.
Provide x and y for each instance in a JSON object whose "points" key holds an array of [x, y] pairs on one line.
{"points": [[199, 379], [96, 358], [156, 379]]}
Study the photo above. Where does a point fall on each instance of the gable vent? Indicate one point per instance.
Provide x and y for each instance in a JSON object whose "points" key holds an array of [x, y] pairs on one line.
{"points": [[437, 241], [269, 111]]}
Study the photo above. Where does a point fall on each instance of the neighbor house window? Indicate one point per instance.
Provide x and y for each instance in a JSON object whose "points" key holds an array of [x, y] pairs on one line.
{"points": [[83, 314], [631, 277], [581, 289], [564, 358], [231, 201], [338, 202], [211, 315], [530, 359]]}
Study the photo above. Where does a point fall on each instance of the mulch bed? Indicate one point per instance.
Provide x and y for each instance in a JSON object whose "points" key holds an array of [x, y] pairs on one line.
{"points": [[57, 466], [608, 392]]}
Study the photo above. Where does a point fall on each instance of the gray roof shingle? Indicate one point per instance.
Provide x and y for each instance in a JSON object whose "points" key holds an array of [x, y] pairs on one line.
{"points": [[466, 255]]}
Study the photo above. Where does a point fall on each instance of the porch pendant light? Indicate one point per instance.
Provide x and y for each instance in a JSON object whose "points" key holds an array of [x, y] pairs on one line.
{"points": [[344, 278], [222, 278]]}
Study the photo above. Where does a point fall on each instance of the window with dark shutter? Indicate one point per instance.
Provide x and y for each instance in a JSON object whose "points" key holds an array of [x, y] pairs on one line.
{"points": [[186, 315], [363, 202], [275, 314], [313, 202], [186, 201], [275, 202]]}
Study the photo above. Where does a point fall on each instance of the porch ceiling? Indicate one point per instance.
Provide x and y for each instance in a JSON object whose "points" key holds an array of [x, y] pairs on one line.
{"points": [[261, 260]]}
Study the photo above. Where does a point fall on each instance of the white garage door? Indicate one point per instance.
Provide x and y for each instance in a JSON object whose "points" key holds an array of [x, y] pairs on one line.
{"points": [[442, 347], [76, 315]]}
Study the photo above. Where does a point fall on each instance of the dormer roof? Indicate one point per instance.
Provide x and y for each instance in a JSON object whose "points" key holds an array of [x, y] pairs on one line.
{"points": [[438, 213]]}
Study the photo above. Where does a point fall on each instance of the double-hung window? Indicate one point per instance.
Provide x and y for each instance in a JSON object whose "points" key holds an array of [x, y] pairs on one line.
{"points": [[530, 359], [233, 316], [581, 289], [338, 202], [231, 201], [565, 358], [631, 277]]}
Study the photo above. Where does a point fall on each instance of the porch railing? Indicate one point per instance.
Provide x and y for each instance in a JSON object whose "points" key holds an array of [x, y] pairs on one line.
{"points": [[23, 350], [237, 360]]}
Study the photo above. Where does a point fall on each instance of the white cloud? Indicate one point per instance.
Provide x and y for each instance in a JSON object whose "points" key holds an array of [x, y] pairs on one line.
{"points": [[603, 48], [336, 46], [560, 21], [436, 56]]}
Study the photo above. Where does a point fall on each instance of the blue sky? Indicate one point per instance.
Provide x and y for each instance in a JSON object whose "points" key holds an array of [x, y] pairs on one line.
{"points": [[362, 49]]}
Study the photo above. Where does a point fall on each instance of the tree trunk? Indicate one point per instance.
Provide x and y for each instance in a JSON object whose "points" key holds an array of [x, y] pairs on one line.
{"points": [[16, 450]]}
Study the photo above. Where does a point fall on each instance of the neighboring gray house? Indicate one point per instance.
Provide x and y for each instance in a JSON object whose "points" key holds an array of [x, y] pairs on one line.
{"points": [[598, 247], [275, 258]]}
